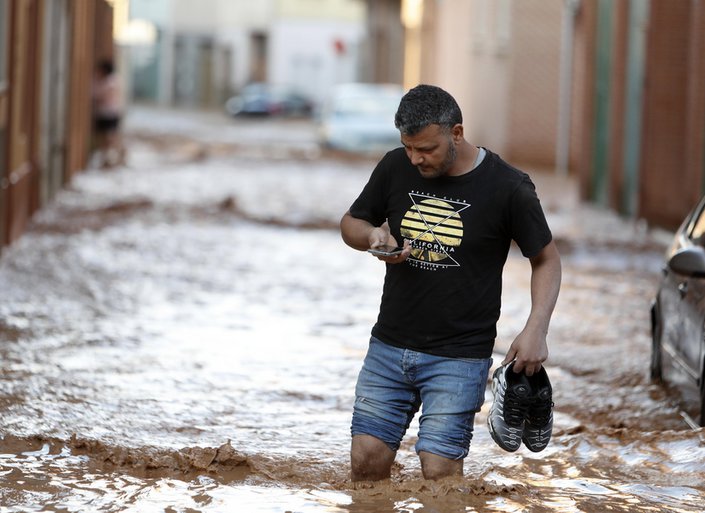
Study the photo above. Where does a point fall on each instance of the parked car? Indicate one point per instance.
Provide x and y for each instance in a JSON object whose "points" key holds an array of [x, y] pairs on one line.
{"points": [[678, 310], [260, 99], [359, 118]]}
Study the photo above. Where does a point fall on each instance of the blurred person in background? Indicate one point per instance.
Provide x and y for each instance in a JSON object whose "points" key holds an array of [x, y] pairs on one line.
{"points": [[108, 110], [456, 208]]}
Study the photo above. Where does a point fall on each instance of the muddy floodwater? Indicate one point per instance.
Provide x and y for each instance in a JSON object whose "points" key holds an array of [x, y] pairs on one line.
{"points": [[184, 335]]}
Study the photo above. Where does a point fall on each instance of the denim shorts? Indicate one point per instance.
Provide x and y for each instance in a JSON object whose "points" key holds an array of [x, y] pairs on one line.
{"points": [[394, 383]]}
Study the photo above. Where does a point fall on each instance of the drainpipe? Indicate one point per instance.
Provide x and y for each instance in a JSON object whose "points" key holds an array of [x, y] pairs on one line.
{"points": [[570, 10]]}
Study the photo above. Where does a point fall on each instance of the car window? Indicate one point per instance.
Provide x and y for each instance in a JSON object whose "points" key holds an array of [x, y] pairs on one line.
{"points": [[697, 233]]}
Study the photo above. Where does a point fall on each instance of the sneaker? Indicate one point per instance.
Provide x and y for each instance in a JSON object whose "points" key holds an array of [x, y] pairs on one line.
{"points": [[538, 423], [511, 399]]}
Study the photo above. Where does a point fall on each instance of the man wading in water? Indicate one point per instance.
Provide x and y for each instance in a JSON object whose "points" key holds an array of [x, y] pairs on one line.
{"points": [[456, 208]]}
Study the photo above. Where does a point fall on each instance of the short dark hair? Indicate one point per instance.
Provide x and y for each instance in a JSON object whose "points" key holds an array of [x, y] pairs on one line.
{"points": [[426, 105], [106, 66]]}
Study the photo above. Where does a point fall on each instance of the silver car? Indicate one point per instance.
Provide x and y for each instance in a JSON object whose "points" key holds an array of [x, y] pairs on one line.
{"points": [[678, 311], [359, 118]]}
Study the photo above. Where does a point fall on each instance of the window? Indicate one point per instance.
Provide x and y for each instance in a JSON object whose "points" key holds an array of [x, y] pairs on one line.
{"points": [[697, 231]]}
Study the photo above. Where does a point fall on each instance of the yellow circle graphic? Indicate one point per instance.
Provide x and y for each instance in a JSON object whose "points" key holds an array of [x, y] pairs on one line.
{"points": [[435, 228]]}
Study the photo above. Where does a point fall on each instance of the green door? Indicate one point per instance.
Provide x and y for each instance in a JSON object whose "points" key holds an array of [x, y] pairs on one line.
{"points": [[600, 151], [636, 61]]}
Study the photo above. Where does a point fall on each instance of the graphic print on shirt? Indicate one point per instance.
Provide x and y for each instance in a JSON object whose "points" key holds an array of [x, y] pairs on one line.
{"points": [[435, 229]]}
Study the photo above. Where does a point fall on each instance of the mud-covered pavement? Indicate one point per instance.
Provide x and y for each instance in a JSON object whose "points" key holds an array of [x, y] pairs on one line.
{"points": [[184, 335]]}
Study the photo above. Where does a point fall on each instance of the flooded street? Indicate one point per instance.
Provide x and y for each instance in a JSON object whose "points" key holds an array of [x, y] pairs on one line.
{"points": [[184, 335]]}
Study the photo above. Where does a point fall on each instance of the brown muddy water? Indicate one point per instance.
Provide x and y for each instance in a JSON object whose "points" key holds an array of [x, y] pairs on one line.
{"points": [[173, 341]]}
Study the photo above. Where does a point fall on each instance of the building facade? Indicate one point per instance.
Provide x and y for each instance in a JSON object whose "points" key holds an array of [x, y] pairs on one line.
{"points": [[207, 51], [610, 92], [640, 105], [48, 51]]}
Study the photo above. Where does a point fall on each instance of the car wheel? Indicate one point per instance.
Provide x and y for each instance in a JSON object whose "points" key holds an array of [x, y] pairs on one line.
{"points": [[656, 356]]}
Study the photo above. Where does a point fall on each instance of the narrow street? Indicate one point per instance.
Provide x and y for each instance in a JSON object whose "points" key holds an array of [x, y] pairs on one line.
{"points": [[184, 335]]}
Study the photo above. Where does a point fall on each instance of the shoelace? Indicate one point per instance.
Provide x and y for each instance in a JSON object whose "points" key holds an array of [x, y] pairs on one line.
{"points": [[515, 407], [540, 410]]}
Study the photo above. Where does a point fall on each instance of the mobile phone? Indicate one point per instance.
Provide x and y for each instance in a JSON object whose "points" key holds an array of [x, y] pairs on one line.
{"points": [[386, 250]]}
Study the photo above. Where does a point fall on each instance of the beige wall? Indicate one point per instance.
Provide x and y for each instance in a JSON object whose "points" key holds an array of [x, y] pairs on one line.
{"points": [[341, 10], [464, 53], [533, 84], [204, 16], [500, 60]]}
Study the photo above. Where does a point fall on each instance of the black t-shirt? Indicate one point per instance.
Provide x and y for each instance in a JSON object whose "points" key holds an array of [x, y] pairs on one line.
{"points": [[445, 299]]}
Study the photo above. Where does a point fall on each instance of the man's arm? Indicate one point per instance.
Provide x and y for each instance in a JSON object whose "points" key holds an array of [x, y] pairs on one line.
{"points": [[361, 235], [529, 348]]}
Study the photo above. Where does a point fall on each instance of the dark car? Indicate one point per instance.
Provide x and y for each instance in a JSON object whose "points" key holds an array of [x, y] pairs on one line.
{"points": [[260, 99], [678, 311]]}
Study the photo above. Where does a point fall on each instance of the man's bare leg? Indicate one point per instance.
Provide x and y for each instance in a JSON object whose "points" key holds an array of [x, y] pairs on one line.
{"points": [[437, 467], [370, 458]]}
